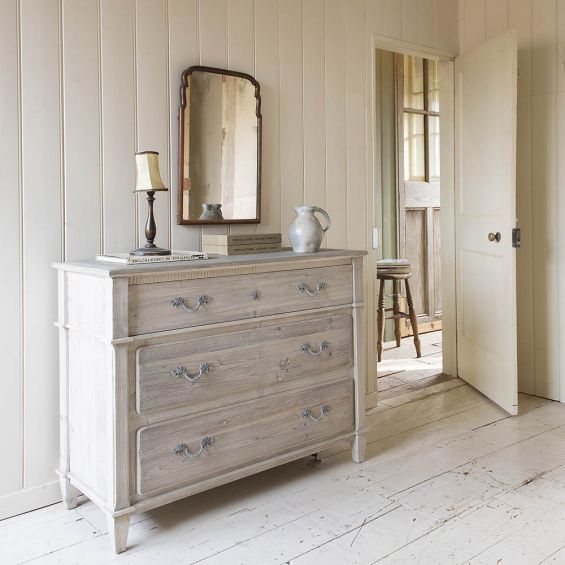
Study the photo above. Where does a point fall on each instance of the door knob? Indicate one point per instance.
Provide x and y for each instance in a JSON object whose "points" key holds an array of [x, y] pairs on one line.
{"points": [[494, 236]]}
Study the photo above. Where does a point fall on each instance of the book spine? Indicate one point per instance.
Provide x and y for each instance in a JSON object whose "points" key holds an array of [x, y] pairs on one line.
{"points": [[243, 239], [241, 249]]}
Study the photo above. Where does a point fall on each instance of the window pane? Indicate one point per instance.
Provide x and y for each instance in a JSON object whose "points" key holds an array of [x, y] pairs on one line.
{"points": [[413, 82], [433, 86], [434, 148], [414, 168]]}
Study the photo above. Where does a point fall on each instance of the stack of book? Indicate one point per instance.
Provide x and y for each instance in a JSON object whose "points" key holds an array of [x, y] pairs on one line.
{"points": [[241, 244]]}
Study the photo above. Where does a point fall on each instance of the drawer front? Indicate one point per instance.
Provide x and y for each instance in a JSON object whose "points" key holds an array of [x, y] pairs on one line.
{"points": [[187, 450], [208, 368], [157, 307]]}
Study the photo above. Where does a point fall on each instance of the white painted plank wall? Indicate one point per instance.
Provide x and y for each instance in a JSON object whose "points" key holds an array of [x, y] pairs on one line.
{"points": [[540, 178], [86, 83], [11, 385]]}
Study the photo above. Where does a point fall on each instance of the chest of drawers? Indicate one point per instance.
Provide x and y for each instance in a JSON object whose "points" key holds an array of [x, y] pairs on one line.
{"points": [[176, 378]]}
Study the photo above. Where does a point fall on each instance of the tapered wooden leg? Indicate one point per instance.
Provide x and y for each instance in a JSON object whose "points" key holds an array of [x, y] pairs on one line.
{"points": [[396, 310], [118, 529], [413, 320], [358, 448], [69, 493], [380, 319]]}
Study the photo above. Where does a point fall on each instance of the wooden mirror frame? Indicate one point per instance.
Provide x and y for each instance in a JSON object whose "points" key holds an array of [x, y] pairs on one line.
{"points": [[182, 108]]}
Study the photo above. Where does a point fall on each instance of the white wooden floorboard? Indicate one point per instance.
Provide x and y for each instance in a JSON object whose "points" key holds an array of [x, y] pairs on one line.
{"points": [[448, 479]]}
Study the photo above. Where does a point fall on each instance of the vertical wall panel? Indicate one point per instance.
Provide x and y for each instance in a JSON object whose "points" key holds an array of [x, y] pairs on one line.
{"points": [[520, 18], [496, 17], [183, 52], [41, 183], [10, 297], [560, 180], [392, 19], [519, 15], [314, 104], [375, 18], [454, 27], [241, 55], [266, 72], [410, 24], [524, 259], [560, 19], [241, 35], [213, 22], [118, 124], [419, 21], [356, 112], [81, 99], [290, 110], [152, 107], [336, 141], [544, 30], [473, 16], [545, 253], [427, 23], [444, 22]]}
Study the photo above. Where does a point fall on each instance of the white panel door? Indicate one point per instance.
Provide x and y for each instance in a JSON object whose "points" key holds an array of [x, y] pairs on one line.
{"points": [[485, 203]]}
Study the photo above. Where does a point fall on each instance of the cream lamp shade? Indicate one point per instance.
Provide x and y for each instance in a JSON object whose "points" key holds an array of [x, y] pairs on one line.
{"points": [[148, 175]]}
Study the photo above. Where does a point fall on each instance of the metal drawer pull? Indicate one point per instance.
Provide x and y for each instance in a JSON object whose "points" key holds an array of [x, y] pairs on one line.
{"points": [[307, 413], [182, 372], [303, 288], [307, 348], [180, 302], [182, 448]]}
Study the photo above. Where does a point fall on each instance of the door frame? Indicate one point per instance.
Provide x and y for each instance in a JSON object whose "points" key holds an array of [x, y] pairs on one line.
{"points": [[447, 195]]}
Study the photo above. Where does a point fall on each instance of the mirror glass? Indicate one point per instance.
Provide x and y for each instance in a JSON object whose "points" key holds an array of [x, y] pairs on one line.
{"points": [[220, 147]]}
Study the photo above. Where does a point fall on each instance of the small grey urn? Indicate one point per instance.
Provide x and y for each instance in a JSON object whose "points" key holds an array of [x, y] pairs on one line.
{"points": [[305, 232], [211, 212]]}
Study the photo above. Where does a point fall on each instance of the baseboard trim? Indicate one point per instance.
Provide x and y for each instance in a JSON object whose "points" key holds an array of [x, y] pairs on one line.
{"points": [[29, 499]]}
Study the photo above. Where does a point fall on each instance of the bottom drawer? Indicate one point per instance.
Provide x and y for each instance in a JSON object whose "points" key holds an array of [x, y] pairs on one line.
{"points": [[186, 450]]}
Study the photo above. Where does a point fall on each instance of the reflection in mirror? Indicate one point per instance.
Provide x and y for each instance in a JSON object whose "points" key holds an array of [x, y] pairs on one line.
{"points": [[219, 147]]}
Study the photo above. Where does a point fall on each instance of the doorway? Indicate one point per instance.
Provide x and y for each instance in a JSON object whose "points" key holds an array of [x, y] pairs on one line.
{"points": [[408, 101], [477, 213]]}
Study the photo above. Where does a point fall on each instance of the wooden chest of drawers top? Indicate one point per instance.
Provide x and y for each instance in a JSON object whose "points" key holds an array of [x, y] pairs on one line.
{"points": [[130, 300]]}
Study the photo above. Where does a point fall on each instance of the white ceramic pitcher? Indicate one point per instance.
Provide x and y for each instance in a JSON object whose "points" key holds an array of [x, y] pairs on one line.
{"points": [[305, 231]]}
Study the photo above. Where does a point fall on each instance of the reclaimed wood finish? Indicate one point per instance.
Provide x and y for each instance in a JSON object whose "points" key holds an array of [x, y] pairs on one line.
{"points": [[244, 361], [240, 434], [236, 297], [283, 377]]}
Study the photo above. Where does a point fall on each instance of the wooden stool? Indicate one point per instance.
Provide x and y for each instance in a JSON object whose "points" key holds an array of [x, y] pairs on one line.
{"points": [[395, 270]]}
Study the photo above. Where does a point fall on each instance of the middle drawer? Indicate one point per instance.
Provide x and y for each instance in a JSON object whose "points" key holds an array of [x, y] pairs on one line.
{"points": [[201, 369]]}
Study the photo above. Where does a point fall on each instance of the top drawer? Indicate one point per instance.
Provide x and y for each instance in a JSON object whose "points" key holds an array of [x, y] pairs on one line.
{"points": [[163, 306]]}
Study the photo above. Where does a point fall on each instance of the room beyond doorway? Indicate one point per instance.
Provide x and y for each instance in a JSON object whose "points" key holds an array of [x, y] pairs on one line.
{"points": [[408, 104]]}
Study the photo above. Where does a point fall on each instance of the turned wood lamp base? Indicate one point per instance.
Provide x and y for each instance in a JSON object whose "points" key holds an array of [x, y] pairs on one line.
{"points": [[150, 249]]}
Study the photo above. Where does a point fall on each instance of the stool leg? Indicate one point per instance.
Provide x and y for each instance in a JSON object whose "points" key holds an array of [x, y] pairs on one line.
{"points": [[380, 319], [396, 310], [413, 320]]}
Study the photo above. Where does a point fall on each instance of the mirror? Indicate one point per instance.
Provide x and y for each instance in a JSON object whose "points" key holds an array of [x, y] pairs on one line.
{"points": [[219, 147]]}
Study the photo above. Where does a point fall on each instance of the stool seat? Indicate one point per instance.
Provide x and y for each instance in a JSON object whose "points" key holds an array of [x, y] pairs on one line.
{"points": [[389, 268], [395, 270]]}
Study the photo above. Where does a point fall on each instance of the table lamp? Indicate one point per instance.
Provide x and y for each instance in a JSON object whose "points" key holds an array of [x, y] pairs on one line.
{"points": [[149, 180]]}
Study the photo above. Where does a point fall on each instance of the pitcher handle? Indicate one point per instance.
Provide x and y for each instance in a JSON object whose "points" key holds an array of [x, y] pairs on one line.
{"points": [[326, 216]]}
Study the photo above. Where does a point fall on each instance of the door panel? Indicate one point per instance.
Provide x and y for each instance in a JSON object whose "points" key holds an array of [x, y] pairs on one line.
{"points": [[419, 187], [415, 252], [485, 202]]}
